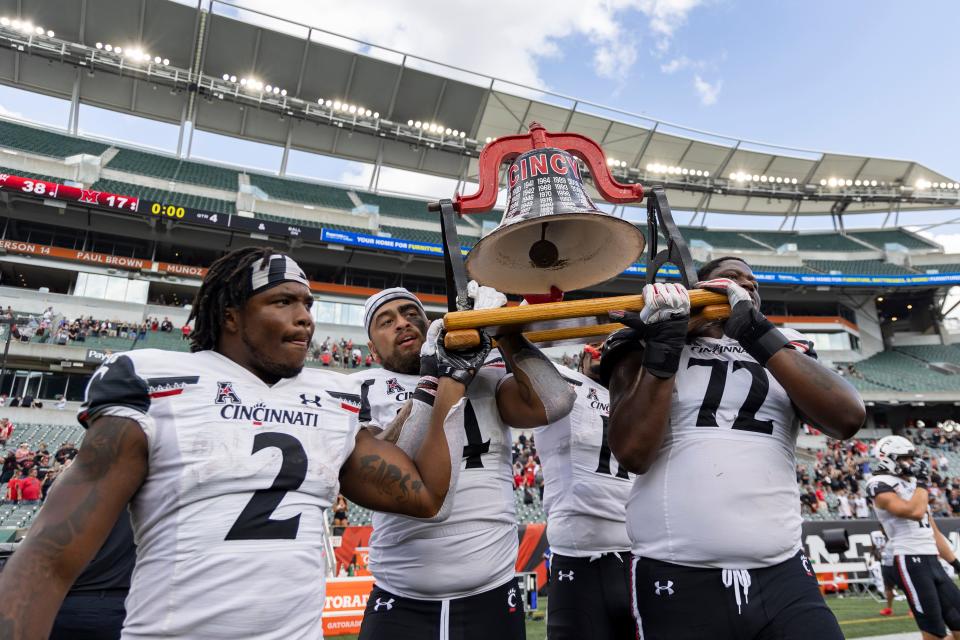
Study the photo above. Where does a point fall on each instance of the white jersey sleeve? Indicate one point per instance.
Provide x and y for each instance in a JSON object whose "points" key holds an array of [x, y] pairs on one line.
{"points": [[239, 475], [722, 492], [906, 537], [412, 558], [585, 488]]}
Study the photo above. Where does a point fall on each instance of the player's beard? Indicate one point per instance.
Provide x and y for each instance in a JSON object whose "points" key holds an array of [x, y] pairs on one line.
{"points": [[268, 364], [408, 363]]}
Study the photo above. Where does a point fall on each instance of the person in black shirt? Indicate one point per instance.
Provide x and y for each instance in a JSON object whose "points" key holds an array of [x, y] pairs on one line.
{"points": [[94, 607]]}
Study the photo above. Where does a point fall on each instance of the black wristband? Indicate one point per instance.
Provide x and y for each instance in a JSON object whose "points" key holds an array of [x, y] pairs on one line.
{"points": [[956, 565], [664, 344], [756, 334]]}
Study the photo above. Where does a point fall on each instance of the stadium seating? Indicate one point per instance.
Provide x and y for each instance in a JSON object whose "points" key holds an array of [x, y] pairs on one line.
{"points": [[901, 372], [417, 235], [939, 268], [399, 207], [808, 241], [881, 237], [858, 267], [722, 239], [303, 192], [166, 197], [167, 168], [53, 435], [29, 174], [46, 143], [933, 353]]}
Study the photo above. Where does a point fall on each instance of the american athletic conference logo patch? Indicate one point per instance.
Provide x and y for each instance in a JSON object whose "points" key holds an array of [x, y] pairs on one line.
{"points": [[226, 394]]}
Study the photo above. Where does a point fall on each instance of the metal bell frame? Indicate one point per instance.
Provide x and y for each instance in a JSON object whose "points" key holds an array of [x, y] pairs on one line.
{"points": [[506, 149]]}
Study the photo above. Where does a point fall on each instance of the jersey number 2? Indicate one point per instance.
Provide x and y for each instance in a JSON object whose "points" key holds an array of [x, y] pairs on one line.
{"points": [[746, 419], [254, 522]]}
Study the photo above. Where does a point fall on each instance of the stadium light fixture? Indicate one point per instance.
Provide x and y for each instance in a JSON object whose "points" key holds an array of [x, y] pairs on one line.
{"points": [[5, 21]]}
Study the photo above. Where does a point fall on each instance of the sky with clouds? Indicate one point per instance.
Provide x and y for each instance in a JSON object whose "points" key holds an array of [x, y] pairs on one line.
{"points": [[862, 77]]}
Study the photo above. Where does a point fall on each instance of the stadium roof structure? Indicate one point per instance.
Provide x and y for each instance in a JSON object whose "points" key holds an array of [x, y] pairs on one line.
{"points": [[282, 83]]}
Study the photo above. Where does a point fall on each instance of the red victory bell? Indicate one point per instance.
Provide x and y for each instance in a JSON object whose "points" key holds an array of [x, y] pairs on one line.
{"points": [[552, 236]]}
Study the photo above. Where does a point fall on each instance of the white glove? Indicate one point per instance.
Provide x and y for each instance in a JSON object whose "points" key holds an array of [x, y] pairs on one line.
{"points": [[429, 347], [664, 301], [735, 293], [485, 297]]}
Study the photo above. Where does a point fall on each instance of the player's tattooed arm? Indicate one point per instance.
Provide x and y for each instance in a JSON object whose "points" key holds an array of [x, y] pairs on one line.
{"points": [[76, 518], [821, 396], [381, 476]]}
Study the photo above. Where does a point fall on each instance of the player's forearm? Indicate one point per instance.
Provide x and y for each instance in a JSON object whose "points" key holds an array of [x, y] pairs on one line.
{"points": [[542, 395], [433, 459], [820, 394], [639, 420], [944, 550]]}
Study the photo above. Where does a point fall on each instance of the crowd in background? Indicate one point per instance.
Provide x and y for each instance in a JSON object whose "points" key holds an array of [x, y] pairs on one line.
{"points": [[54, 328], [341, 353], [27, 473], [527, 473]]}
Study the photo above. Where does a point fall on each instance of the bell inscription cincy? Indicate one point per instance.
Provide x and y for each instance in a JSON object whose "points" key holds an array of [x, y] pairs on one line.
{"points": [[545, 182]]}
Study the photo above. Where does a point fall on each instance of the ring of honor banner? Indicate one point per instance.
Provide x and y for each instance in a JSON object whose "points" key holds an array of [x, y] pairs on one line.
{"points": [[552, 179]]}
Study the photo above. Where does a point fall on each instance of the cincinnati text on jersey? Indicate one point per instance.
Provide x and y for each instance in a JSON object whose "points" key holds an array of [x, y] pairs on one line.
{"points": [[716, 348], [260, 413]]}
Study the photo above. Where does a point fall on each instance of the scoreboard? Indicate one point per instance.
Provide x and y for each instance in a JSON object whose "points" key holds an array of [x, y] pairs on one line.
{"points": [[144, 208]]}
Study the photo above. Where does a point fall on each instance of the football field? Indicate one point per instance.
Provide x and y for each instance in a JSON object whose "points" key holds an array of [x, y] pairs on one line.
{"points": [[859, 617]]}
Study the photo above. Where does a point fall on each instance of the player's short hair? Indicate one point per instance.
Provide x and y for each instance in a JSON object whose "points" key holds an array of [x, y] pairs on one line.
{"points": [[704, 271], [226, 284]]}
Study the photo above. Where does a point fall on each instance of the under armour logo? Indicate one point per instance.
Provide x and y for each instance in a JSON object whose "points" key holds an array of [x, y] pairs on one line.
{"points": [[379, 603], [916, 559], [304, 400], [664, 587], [561, 576]]}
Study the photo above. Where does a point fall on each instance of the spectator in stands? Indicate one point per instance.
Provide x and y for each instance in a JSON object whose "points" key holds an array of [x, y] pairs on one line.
{"points": [[185, 331], [6, 431], [31, 488], [325, 358], [67, 451], [13, 486], [3, 399], [860, 507], [61, 402], [154, 324], [368, 361], [356, 356], [340, 512], [166, 326], [9, 466]]}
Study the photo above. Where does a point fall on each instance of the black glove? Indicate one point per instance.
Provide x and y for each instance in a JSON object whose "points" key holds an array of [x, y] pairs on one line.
{"points": [[920, 470], [956, 566], [664, 344], [618, 345], [461, 366], [758, 336]]}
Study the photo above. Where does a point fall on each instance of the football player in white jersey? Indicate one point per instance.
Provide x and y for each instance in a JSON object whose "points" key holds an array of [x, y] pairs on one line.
{"points": [[585, 497], [454, 580], [883, 571], [228, 457], [710, 423], [902, 504]]}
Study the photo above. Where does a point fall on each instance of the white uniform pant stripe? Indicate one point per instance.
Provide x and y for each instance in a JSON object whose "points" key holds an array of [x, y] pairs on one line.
{"points": [[444, 620], [908, 583], [633, 597]]}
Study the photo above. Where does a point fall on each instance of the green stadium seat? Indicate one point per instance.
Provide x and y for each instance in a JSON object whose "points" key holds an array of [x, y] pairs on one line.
{"points": [[898, 236], [303, 192], [167, 197], [400, 207], [46, 143], [29, 174], [807, 241], [858, 267], [167, 168]]}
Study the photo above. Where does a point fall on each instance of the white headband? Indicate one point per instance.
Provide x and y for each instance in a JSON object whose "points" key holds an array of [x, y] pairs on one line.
{"points": [[275, 270], [377, 300]]}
